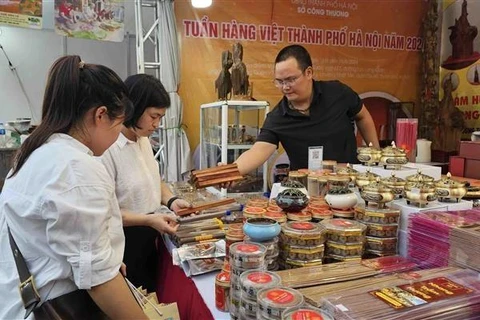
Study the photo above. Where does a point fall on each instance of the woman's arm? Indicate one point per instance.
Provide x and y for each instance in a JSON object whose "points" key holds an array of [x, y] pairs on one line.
{"points": [[116, 300]]}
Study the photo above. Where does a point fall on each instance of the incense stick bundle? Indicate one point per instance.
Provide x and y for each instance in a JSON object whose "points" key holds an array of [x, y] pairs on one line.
{"points": [[363, 304], [204, 206], [215, 176], [464, 248], [315, 295], [328, 273]]}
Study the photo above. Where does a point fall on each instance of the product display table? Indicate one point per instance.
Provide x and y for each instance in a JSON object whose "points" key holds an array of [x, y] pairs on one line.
{"points": [[194, 296]]}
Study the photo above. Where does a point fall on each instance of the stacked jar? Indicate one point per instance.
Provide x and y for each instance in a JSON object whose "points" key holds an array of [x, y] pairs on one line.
{"points": [[305, 312], [345, 239], [251, 282], [302, 244], [319, 209], [233, 234], [243, 257], [382, 226], [271, 257], [276, 213], [272, 302]]}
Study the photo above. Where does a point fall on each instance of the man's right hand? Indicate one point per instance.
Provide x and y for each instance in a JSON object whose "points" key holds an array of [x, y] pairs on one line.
{"points": [[163, 223]]}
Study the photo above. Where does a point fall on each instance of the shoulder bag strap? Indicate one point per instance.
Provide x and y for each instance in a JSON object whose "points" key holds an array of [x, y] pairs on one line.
{"points": [[28, 291]]}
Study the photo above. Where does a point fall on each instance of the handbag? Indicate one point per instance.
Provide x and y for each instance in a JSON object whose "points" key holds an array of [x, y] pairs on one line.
{"points": [[76, 305]]}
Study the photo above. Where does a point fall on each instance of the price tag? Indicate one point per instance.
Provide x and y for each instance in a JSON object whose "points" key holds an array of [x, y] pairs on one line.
{"points": [[315, 158]]}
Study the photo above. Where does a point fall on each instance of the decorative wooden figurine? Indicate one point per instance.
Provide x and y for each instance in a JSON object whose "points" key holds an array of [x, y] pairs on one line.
{"points": [[451, 121], [239, 72], [223, 84], [462, 35]]}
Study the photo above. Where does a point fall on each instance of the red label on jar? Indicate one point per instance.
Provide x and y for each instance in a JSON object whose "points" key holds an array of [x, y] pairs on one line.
{"points": [[306, 315], [280, 296], [259, 277], [221, 298], [302, 225], [342, 223], [223, 277], [247, 248]]}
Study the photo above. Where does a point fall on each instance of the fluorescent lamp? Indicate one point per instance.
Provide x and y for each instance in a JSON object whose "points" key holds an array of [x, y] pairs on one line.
{"points": [[201, 3]]}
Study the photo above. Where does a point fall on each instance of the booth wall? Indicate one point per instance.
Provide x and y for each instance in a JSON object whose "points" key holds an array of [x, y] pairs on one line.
{"points": [[32, 52]]}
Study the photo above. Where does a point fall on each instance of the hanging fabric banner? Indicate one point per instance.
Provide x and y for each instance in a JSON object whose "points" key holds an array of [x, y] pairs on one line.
{"points": [[21, 13], [90, 19], [372, 46], [460, 62]]}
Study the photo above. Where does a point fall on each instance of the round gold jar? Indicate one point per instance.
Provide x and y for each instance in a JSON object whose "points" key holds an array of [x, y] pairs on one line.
{"points": [[396, 184], [369, 155], [393, 157], [449, 190]]}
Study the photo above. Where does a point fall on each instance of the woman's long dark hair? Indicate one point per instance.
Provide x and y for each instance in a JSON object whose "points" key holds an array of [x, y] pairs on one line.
{"points": [[73, 88]]}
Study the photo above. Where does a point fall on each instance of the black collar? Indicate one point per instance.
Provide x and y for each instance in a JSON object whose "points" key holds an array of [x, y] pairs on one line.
{"points": [[317, 92]]}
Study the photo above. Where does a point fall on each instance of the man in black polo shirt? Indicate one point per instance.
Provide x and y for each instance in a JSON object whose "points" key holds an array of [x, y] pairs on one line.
{"points": [[311, 113]]}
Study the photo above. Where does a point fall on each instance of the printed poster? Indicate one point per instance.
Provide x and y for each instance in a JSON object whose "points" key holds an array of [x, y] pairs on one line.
{"points": [[460, 59], [90, 19], [21, 13]]}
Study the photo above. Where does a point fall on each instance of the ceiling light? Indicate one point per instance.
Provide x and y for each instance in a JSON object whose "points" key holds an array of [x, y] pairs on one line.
{"points": [[201, 3]]}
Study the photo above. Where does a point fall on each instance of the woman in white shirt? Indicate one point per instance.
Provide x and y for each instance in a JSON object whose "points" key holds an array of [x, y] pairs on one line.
{"points": [[139, 189], [59, 202]]}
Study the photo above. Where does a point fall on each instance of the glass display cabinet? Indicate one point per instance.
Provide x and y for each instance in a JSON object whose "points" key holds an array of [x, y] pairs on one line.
{"points": [[227, 129]]}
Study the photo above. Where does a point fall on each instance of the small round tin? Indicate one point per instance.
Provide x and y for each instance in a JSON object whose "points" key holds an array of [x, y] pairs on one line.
{"points": [[253, 281], [273, 301]]}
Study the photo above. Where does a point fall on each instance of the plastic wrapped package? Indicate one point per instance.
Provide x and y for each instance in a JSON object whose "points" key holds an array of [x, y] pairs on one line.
{"points": [[253, 280], [455, 294], [273, 301]]}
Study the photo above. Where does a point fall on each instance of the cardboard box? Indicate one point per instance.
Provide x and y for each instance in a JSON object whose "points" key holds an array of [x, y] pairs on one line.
{"points": [[406, 170], [470, 150], [456, 166], [472, 169]]}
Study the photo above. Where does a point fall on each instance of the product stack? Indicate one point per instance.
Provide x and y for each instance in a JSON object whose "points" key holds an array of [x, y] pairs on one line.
{"points": [[345, 239], [302, 244], [243, 257], [382, 226], [430, 234], [251, 282]]}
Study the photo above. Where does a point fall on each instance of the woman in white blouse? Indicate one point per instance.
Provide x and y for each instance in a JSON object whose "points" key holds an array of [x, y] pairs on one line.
{"points": [[59, 202], [139, 188]]}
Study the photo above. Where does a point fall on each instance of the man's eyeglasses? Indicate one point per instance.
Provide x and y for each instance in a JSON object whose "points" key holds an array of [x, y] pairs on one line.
{"points": [[286, 82]]}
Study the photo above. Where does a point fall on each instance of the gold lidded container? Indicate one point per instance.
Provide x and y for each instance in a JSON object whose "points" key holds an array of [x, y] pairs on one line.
{"points": [[393, 157], [347, 171], [369, 155], [420, 177], [365, 178], [396, 184], [420, 193], [450, 190], [378, 193]]}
